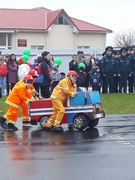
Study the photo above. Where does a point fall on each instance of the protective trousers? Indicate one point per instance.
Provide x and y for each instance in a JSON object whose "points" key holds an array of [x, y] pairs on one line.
{"points": [[58, 113], [12, 114], [25, 110]]}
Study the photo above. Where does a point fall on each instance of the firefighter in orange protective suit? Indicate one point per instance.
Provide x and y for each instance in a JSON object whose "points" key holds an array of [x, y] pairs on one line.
{"points": [[30, 92], [65, 88], [18, 95]]}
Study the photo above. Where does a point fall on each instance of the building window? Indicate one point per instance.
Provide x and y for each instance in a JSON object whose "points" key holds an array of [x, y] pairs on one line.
{"points": [[37, 47], [5, 41], [2, 39], [83, 47], [60, 20]]}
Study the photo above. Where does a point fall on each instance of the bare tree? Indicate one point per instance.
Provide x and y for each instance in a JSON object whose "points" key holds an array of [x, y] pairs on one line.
{"points": [[124, 38]]}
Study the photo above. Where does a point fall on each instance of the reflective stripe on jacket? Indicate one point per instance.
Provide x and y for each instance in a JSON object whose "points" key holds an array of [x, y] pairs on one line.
{"points": [[64, 89], [18, 95]]}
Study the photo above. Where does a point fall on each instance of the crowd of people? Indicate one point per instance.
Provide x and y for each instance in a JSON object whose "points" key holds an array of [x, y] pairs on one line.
{"points": [[113, 73]]}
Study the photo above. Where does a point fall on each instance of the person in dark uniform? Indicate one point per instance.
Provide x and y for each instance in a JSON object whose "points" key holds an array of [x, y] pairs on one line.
{"points": [[116, 55], [124, 70], [132, 60], [108, 69], [130, 78]]}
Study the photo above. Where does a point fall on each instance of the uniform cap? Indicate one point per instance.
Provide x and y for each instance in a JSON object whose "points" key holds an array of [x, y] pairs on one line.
{"points": [[124, 49], [129, 48], [109, 48]]}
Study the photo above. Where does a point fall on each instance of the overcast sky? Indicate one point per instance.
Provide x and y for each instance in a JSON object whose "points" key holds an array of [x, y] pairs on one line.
{"points": [[113, 14]]}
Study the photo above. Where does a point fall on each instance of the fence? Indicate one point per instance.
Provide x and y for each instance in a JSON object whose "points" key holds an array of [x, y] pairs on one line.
{"points": [[65, 55]]}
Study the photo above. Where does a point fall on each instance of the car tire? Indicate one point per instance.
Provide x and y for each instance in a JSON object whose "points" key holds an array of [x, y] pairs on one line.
{"points": [[80, 122], [43, 120]]}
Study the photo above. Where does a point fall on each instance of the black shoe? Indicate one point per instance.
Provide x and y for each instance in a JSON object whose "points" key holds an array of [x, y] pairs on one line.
{"points": [[47, 129], [3, 122], [12, 127], [70, 127], [27, 123], [57, 129]]}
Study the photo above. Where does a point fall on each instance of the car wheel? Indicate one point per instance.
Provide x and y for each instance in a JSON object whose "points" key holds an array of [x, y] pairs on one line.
{"points": [[80, 122], [43, 120], [93, 123]]}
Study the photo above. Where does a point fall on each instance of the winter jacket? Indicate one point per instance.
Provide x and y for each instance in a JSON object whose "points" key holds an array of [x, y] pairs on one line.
{"points": [[44, 68], [55, 75], [12, 72], [23, 71], [3, 70], [95, 77], [73, 67], [81, 79]]}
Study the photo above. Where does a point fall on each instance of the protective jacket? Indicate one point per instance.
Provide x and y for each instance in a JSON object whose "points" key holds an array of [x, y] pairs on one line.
{"points": [[64, 89], [18, 95], [29, 93]]}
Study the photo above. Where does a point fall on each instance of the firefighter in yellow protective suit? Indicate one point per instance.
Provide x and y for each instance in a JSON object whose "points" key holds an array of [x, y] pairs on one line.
{"points": [[65, 88], [18, 95]]}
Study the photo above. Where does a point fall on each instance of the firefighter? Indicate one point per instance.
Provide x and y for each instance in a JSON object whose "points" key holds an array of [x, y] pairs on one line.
{"points": [[65, 88], [18, 95], [31, 92]]}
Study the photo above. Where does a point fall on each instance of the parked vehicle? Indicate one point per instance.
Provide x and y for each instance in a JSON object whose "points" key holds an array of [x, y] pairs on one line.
{"points": [[82, 111]]}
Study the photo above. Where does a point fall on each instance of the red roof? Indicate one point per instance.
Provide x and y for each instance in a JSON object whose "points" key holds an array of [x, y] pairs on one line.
{"points": [[85, 26], [40, 19]]}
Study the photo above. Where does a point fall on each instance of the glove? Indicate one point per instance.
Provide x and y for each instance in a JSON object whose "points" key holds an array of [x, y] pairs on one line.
{"points": [[36, 95], [73, 94]]}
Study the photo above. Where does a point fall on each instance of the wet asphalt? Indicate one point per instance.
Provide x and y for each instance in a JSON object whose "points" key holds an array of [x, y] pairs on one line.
{"points": [[106, 152]]}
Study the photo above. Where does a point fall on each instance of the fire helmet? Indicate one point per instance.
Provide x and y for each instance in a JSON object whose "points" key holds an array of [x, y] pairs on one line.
{"points": [[28, 79], [72, 73], [33, 73]]}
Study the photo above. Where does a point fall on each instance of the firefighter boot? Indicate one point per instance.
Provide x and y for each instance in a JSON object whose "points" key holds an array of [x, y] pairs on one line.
{"points": [[3, 122], [12, 127]]}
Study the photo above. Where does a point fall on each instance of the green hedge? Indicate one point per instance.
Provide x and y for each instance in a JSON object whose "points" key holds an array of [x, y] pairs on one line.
{"points": [[111, 103]]}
